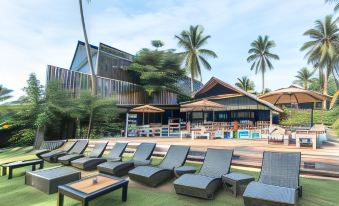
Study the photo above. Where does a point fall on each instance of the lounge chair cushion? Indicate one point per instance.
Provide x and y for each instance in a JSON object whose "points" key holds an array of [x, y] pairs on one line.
{"points": [[87, 163], [152, 176], [115, 168], [284, 195], [197, 181], [66, 160], [197, 185]]}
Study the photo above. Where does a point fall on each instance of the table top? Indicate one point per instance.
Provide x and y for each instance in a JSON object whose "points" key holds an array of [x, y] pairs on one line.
{"points": [[23, 162], [237, 176], [87, 187]]}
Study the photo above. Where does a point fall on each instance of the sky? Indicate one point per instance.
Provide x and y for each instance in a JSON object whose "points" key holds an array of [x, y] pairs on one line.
{"points": [[36, 33]]}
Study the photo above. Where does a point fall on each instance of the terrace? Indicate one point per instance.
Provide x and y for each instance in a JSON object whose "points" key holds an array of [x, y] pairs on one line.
{"points": [[317, 191]]}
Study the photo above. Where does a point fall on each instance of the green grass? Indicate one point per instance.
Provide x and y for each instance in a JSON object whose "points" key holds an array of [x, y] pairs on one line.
{"points": [[15, 192]]}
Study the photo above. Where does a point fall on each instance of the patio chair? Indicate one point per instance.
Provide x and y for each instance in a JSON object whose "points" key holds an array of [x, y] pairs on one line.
{"points": [[48, 146], [76, 152], [141, 157], [90, 163], [217, 163], [155, 175], [278, 183], [52, 156]]}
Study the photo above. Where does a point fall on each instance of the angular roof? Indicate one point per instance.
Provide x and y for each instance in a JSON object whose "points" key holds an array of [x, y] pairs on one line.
{"points": [[218, 89]]}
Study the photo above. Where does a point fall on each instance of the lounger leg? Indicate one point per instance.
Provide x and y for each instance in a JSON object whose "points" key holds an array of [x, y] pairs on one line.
{"points": [[33, 168], [10, 173], [42, 165], [124, 193], [3, 170], [60, 199], [85, 203]]}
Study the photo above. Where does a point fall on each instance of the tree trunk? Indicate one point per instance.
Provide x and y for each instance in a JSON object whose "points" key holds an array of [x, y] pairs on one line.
{"points": [[263, 82], [192, 85], [88, 51], [325, 76], [90, 124], [39, 136]]}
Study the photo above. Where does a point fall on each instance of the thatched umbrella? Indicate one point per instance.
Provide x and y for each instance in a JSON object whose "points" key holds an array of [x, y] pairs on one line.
{"points": [[202, 105], [294, 94], [146, 109]]}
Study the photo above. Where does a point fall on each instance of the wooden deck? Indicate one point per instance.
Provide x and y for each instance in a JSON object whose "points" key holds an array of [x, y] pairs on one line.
{"points": [[320, 162]]}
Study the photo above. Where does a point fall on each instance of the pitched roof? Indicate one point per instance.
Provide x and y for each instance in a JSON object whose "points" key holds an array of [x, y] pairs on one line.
{"points": [[229, 91]]}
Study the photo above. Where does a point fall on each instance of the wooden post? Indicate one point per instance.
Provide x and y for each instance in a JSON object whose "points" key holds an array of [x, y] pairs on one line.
{"points": [[271, 117], [126, 125]]}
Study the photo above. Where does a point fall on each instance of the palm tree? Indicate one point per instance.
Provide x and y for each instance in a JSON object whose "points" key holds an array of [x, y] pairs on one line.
{"points": [[90, 63], [245, 83], [157, 44], [4, 93], [304, 77], [195, 56], [336, 8], [261, 56], [88, 50], [322, 49]]}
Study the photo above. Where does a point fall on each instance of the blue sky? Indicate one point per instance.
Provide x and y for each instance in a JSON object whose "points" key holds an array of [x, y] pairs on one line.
{"points": [[39, 32]]}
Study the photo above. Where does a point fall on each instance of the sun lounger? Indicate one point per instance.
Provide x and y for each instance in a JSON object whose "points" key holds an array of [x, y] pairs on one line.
{"points": [[217, 163], [153, 176], [53, 155], [76, 152], [48, 146], [278, 182], [141, 157], [90, 163]]}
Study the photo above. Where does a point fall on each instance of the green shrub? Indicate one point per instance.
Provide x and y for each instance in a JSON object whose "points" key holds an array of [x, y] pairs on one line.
{"points": [[24, 137], [335, 126], [303, 117]]}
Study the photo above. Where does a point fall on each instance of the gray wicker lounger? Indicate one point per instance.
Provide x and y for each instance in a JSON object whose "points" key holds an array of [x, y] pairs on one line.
{"points": [[153, 176], [76, 152], [48, 146], [217, 163], [90, 163], [278, 183], [141, 157], [53, 155]]}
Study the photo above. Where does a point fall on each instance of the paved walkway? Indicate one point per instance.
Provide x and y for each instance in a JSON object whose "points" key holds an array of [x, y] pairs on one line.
{"points": [[323, 160]]}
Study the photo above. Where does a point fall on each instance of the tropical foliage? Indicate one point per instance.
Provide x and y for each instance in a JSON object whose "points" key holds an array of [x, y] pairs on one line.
{"points": [[336, 2], [157, 43], [304, 78], [158, 70], [322, 49], [261, 56], [193, 41], [4, 93], [245, 83], [316, 85]]}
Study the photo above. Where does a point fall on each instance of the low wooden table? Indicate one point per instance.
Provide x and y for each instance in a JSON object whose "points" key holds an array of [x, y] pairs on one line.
{"points": [[91, 188], [18, 164], [236, 182]]}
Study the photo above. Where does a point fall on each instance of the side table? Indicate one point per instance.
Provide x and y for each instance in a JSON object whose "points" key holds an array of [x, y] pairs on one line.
{"points": [[236, 182]]}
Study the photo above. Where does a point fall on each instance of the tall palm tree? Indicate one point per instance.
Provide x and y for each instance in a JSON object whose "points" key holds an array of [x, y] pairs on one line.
{"points": [[261, 56], [90, 63], [322, 49], [195, 55], [245, 83], [4, 93], [88, 49], [304, 77], [336, 2]]}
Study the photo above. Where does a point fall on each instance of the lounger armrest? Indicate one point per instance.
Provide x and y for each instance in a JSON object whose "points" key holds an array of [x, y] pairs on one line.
{"points": [[142, 163]]}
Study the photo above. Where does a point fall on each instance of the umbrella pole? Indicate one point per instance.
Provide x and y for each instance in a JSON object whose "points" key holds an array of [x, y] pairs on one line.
{"points": [[312, 117], [143, 119]]}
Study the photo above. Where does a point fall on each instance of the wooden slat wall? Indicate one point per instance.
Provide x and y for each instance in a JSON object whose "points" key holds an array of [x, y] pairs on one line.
{"points": [[126, 93]]}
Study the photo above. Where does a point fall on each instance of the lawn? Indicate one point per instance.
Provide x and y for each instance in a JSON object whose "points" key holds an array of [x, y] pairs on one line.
{"points": [[14, 192]]}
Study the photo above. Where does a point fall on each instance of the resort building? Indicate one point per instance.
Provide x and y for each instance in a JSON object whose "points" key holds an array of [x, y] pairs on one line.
{"points": [[115, 80]]}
